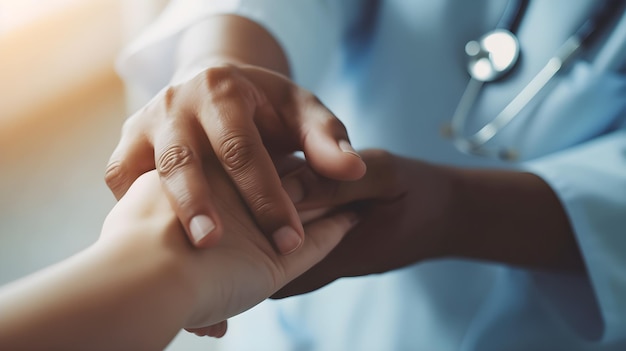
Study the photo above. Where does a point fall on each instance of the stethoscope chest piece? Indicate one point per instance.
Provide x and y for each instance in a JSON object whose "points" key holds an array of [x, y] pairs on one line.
{"points": [[493, 55]]}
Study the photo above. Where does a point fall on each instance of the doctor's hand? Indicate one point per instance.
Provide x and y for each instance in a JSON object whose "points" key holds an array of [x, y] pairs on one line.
{"points": [[247, 117], [402, 204], [237, 273], [412, 211]]}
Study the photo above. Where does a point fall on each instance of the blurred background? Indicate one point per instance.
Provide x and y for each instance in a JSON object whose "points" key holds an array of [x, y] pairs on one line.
{"points": [[61, 110]]}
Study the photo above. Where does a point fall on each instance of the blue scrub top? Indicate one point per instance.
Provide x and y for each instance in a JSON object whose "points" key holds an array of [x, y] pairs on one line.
{"points": [[394, 72]]}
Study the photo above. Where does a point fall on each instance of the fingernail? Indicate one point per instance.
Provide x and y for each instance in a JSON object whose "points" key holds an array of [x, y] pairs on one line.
{"points": [[200, 227], [345, 146], [293, 188], [287, 240]]}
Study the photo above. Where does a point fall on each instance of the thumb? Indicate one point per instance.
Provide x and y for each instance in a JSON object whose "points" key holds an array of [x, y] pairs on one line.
{"points": [[327, 147], [320, 134], [310, 190]]}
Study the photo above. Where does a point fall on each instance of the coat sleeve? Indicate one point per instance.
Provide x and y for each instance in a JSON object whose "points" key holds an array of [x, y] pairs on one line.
{"points": [[590, 180], [310, 32]]}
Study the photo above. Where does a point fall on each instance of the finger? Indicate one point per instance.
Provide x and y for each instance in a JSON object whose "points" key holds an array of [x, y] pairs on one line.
{"points": [[320, 134], [132, 157], [179, 164], [228, 121], [326, 145], [310, 190], [216, 330], [322, 236], [323, 272]]}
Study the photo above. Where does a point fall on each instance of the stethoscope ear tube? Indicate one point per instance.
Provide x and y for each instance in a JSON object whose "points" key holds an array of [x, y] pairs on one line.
{"points": [[512, 15]]}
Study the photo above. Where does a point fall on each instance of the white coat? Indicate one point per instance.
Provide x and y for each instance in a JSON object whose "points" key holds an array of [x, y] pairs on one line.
{"points": [[393, 71]]}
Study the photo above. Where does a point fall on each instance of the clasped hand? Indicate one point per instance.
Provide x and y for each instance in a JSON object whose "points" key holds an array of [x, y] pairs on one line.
{"points": [[403, 206], [235, 274], [239, 125], [247, 118]]}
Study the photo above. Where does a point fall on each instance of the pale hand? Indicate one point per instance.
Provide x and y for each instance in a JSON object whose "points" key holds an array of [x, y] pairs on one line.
{"points": [[238, 272]]}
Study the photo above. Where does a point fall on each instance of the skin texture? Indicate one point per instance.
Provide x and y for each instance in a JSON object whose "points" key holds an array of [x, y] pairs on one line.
{"points": [[238, 106], [427, 211], [232, 95], [142, 281]]}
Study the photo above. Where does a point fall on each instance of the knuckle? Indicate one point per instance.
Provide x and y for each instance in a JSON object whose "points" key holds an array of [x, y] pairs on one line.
{"points": [[328, 122], [168, 99], [326, 119], [236, 153], [307, 99], [114, 175], [310, 98], [332, 124], [262, 205], [173, 99], [221, 80], [226, 82], [173, 158]]}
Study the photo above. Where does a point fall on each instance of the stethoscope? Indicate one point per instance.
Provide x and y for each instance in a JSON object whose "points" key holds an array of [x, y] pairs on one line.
{"points": [[493, 56]]}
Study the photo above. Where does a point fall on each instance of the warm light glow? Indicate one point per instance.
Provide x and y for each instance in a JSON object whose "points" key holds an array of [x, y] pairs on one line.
{"points": [[15, 14], [50, 50]]}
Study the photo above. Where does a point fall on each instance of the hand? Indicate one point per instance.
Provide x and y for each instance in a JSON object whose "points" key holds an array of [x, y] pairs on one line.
{"points": [[402, 204], [238, 272], [247, 117]]}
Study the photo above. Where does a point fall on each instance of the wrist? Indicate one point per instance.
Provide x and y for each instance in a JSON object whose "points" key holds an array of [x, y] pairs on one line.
{"points": [[143, 231], [445, 208], [228, 39], [510, 217], [159, 258], [434, 188], [458, 224], [189, 70]]}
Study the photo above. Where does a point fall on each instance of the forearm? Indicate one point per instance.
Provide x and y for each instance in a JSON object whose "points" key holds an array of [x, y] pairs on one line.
{"points": [[125, 295], [510, 217], [228, 38]]}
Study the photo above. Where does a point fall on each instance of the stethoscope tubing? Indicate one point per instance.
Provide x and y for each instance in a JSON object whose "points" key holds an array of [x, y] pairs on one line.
{"points": [[521, 100], [473, 144]]}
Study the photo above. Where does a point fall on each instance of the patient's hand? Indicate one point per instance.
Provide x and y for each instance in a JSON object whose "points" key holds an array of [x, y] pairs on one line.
{"points": [[404, 206], [241, 271]]}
